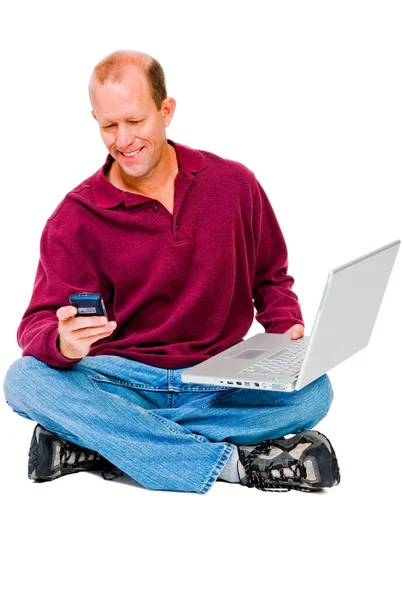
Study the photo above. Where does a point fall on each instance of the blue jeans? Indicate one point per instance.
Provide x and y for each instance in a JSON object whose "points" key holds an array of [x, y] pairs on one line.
{"points": [[163, 433]]}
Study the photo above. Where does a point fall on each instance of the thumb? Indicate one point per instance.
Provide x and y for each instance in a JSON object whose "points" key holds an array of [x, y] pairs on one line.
{"points": [[297, 332], [66, 312]]}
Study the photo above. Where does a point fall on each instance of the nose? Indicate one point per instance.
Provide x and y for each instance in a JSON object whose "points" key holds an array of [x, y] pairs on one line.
{"points": [[123, 137]]}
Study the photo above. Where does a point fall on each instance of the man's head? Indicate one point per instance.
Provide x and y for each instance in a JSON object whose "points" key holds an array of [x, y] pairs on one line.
{"points": [[129, 100]]}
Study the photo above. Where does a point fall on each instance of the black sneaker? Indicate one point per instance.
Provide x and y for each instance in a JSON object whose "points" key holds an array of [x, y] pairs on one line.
{"points": [[51, 457], [305, 462]]}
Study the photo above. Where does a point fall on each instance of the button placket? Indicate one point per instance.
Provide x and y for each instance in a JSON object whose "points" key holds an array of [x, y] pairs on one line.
{"points": [[182, 184], [156, 209]]}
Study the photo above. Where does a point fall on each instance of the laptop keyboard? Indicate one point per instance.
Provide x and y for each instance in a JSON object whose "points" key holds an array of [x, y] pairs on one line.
{"points": [[286, 363]]}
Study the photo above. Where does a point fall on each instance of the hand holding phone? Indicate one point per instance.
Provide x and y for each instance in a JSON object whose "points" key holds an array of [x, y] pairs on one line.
{"points": [[76, 335], [88, 304]]}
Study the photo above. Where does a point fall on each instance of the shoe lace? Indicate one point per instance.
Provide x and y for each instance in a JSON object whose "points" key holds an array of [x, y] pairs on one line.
{"points": [[274, 483], [85, 455], [82, 456]]}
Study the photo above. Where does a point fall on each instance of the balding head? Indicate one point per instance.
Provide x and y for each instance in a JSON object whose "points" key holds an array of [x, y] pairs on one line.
{"points": [[116, 66]]}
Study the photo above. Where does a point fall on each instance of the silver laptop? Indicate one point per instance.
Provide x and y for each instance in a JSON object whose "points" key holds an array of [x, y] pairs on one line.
{"points": [[343, 326]]}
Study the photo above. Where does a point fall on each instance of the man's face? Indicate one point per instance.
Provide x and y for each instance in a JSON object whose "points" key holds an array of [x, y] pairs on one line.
{"points": [[131, 127]]}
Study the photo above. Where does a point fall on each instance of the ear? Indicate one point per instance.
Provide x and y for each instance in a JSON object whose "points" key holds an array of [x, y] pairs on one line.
{"points": [[168, 107]]}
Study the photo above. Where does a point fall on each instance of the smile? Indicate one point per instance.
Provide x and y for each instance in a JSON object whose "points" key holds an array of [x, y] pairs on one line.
{"points": [[132, 153]]}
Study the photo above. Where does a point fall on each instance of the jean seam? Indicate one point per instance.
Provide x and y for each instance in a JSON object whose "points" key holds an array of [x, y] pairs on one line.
{"points": [[217, 468], [134, 387], [223, 395], [209, 403], [164, 423], [140, 386]]}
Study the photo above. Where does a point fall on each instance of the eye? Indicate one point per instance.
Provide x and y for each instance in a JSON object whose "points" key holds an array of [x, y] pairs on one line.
{"points": [[134, 122]]}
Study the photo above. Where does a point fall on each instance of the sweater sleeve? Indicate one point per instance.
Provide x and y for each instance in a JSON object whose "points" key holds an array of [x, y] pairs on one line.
{"points": [[63, 269], [277, 306]]}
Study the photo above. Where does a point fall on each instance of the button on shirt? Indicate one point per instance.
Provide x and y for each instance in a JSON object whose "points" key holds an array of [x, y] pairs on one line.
{"points": [[181, 287]]}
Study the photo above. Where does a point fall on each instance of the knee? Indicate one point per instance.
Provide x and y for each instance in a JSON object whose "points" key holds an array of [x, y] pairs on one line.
{"points": [[321, 396], [314, 401], [13, 383], [17, 370]]}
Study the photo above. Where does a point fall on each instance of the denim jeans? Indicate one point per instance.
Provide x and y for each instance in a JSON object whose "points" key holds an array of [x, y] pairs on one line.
{"points": [[163, 433]]}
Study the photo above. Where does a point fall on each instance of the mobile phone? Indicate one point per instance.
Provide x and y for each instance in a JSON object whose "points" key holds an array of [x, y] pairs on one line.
{"points": [[88, 304]]}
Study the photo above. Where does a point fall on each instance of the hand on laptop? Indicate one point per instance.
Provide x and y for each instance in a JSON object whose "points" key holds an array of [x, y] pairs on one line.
{"points": [[296, 332]]}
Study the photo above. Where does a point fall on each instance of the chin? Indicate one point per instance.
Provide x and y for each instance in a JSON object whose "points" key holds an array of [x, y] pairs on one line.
{"points": [[134, 171]]}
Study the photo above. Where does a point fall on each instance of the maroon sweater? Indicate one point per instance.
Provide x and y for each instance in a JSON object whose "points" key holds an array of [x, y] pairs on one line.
{"points": [[181, 287]]}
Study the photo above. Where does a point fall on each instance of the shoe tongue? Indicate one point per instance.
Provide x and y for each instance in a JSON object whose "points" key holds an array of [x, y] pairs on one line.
{"points": [[274, 451], [265, 454]]}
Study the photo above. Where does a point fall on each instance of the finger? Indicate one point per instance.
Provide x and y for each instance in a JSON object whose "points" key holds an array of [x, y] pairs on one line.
{"points": [[66, 312], [95, 331], [93, 338], [296, 331], [88, 322]]}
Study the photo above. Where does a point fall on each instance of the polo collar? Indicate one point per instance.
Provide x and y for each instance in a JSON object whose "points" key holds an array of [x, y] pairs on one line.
{"points": [[106, 195]]}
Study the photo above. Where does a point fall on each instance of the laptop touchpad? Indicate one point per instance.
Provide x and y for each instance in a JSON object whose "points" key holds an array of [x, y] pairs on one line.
{"points": [[250, 353]]}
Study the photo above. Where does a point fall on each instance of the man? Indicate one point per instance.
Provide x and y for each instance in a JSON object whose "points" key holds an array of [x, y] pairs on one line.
{"points": [[181, 244]]}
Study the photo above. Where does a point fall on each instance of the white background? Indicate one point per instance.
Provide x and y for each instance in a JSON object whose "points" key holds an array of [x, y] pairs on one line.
{"points": [[309, 96]]}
